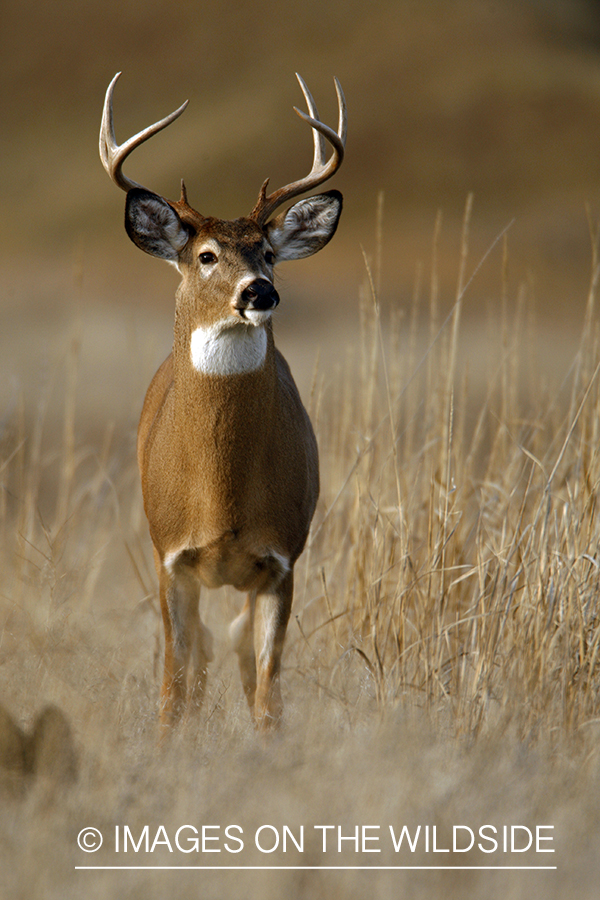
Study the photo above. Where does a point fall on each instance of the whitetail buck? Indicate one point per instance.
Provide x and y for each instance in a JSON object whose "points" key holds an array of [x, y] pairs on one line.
{"points": [[227, 455]]}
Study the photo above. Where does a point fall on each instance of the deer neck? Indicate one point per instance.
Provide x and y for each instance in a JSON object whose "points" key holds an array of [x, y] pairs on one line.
{"points": [[225, 363]]}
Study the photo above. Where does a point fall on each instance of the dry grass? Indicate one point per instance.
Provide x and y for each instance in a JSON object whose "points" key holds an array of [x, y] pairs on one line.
{"points": [[459, 558], [441, 666]]}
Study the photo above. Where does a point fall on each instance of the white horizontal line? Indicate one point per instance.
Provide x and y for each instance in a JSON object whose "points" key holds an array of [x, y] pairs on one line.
{"points": [[325, 868]]}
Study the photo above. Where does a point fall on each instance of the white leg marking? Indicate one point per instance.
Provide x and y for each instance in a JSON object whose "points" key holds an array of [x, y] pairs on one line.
{"points": [[283, 561], [268, 608]]}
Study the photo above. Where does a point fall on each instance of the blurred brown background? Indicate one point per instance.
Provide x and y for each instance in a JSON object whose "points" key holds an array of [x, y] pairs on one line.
{"points": [[497, 97]]}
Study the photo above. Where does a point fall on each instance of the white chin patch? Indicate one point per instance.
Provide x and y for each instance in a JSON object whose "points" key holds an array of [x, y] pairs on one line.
{"points": [[257, 316], [230, 349]]}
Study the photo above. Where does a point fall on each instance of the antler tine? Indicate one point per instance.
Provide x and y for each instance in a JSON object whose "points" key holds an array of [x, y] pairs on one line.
{"points": [[342, 115], [318, 139], [321, 169], [114, 155]]}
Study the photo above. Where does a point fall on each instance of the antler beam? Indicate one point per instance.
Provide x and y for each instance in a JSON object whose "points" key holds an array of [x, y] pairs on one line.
{"points": [[322, 169], [114, 155]]}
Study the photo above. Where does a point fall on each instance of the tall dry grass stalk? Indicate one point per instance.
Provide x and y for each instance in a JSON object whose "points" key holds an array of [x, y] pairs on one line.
{"points": [[454, 565]]}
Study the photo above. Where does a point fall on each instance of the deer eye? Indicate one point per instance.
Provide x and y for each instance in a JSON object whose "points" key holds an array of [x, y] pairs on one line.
{"points": [[207, 258], [270, 257]]}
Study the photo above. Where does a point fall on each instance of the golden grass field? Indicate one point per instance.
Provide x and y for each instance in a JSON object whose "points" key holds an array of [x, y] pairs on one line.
{"points": [[441, 666]]}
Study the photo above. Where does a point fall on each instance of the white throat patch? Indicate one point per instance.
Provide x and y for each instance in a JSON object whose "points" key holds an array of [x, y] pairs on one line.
{"points": [[225, 349]]}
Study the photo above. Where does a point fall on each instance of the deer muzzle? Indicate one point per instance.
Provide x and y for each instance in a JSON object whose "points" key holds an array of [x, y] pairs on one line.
{"points": [[259, 295]]}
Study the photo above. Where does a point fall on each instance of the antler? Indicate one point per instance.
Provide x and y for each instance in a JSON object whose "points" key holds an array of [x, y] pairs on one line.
{"points": [[114, 155], [321, 168]]}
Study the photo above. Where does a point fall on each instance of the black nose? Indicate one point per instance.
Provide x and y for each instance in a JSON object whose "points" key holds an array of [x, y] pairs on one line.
{"points": [[260, 294]]}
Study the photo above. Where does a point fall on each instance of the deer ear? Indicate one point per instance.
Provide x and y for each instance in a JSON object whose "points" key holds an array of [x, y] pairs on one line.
{"points": [[306, 227], [154, 226]]}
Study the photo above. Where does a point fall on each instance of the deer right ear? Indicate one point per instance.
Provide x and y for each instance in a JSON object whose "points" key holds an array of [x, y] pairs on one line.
{"points": [[154, 226]]}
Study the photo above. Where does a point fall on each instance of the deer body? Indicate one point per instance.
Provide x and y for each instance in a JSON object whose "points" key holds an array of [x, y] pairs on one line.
{"points": [[227, 455], [240, 507]]}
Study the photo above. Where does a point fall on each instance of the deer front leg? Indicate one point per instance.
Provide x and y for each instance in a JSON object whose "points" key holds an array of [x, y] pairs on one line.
{"points": [[186, 639], [271, 618], [241, 632]]}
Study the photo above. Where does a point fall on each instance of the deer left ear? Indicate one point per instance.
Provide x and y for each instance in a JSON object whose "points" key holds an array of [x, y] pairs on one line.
{"points": [[306, 227]]}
